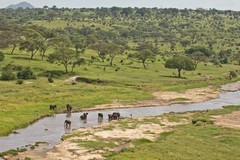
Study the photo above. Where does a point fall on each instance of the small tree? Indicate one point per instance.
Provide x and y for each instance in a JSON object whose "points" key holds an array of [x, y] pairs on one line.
{"points": [[181, 63], [78, 62], [143, 56], [113, 51], [101, 49]]}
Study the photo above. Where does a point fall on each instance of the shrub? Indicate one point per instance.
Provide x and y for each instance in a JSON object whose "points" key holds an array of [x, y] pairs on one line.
{"points": [[50, 80], [8, 74], [232, 74], [19, 81], [26, 73]]}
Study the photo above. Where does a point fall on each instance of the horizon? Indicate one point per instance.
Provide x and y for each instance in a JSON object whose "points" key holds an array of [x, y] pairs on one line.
{"points": [[180, 4]]}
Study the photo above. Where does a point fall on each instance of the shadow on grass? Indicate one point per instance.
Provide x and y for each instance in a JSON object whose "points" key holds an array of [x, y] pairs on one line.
{"points": [[25, 58], [172, 77]]}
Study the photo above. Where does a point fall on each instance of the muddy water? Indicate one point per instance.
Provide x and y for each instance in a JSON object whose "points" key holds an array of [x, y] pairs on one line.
{"points": [[51, 129]]}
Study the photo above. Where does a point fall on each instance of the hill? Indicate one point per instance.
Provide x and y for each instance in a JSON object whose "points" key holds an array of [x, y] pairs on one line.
{"points": [[23, 5]]}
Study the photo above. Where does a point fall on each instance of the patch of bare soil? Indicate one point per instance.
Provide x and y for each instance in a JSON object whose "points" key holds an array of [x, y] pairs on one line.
{"points": [[107, 132], [228, 120], [163, 98]]}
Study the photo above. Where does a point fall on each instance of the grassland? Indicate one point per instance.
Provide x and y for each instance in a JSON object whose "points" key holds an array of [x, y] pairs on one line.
{"points": [[187, 141], [25, 103]]}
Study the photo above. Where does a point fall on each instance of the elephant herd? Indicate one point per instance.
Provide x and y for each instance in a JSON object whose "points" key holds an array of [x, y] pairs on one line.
{"points": [[67, 123]]}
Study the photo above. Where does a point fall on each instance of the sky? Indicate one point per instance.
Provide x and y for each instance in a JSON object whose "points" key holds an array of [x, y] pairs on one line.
{"points": [[206, 4]]}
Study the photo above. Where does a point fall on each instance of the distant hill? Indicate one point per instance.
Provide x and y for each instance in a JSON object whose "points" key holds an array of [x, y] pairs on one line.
{"points": [[23, 5]]}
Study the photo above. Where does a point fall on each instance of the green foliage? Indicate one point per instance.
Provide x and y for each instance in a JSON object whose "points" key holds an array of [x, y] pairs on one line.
{"points": [[180, 63], [19, 81], [143, 56], [8, 72], [50, 80], [232, 74], [63, 56], [201, 49], [26, 73]]}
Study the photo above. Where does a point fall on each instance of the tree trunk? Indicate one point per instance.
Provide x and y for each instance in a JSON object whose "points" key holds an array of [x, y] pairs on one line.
{"points": [[179, 73], [143, 62], [111, 61], [66, 68], [43, 54], [14, 47], [32, 54]]}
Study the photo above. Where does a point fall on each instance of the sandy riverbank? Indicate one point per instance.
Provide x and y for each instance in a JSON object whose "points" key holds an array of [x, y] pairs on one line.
{"points": [[68, 150]]}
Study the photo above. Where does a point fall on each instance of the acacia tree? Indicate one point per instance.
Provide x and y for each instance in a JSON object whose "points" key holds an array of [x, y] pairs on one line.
{"points": [[47, 35], [143, 56], [180, 63], [63, 56], [33, 42], [114, 50], [101, 49], [78, 62]]}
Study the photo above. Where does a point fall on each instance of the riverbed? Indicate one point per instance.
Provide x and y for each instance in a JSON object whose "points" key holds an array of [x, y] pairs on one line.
{"points": [[51, 129]]}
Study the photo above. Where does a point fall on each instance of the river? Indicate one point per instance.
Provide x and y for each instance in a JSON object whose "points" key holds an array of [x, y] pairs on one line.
{"points": [[51, 129]]}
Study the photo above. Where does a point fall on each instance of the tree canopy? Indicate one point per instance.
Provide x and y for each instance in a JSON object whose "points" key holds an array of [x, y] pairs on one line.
{"points": [[180, 63]]}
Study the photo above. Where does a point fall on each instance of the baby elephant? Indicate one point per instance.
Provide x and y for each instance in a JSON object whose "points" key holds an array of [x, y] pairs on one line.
{"points": [[100, 116], [67, 124], [84, 116], [53, 106]]}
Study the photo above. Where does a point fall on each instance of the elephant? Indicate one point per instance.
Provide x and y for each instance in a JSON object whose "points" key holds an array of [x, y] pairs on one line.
{"points": [[84, 116], [100, 115], [67, 124], [69, 108], [53, 106]]}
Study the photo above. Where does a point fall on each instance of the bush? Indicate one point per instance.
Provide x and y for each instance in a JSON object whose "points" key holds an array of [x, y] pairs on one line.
{"points": [[19, 81], [50, 80], [232, 74], [8, 74], [26, 73]]}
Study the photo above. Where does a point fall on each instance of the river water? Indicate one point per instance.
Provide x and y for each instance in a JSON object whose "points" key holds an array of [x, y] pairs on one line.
{"points": [[51, 129]]}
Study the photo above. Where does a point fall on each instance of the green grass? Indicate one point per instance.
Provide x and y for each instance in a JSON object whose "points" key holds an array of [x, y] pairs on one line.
{"points": [[12, 152], [180, 99], [205, 142], [30, 101], [94, 144]]}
